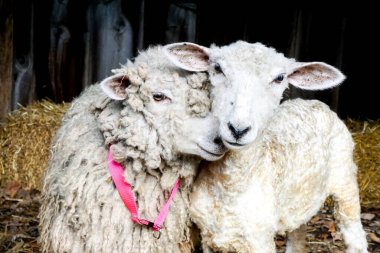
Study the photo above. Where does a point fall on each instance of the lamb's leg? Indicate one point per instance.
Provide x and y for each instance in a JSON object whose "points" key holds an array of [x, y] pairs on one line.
{"points": [[261, 241], [296, 242], [346, 194], [206, 249]]}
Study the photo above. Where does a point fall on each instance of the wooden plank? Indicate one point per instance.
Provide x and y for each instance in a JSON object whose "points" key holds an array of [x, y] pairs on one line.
{"points": [[24, 90], [6, 55], [60, 37], [298, 47], [108, 40]]}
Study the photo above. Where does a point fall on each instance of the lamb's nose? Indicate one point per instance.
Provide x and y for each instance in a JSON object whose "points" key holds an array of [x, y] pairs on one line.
{"points": [[238, 133], [218, 141]]}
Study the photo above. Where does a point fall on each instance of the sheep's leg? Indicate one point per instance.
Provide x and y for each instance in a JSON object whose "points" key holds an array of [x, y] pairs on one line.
{"points": [[267, 247], [262, 242], [346, 194], [296, 242]]}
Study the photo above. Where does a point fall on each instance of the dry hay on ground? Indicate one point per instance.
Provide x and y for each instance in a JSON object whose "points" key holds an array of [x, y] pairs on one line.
{"points": [[25, 138], [367, 156]]}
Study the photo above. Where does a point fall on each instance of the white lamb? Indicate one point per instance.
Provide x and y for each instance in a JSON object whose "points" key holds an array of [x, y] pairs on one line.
{"points": [[156, 117], [299, 152]]}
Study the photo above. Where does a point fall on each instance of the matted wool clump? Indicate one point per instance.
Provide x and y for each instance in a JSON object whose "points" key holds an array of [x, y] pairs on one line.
{"points": [[25, 138]]}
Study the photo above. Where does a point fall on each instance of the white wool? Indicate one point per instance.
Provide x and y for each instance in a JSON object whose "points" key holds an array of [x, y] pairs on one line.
{"points": [[276, 184], [155, 142]]}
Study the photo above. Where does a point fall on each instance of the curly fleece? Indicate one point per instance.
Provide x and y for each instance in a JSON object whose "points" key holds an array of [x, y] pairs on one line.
{"points": [[81, 210]]}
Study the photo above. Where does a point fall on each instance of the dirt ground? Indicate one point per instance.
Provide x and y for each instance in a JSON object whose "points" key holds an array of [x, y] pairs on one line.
{"points": [[19, 225]]}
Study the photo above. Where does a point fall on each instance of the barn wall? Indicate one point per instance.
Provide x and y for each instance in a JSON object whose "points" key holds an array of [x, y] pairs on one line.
{"points": [[55, 48], [6, 56]]}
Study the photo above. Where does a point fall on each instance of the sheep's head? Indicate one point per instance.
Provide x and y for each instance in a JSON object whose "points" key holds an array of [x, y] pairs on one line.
{"points": [[167, 107], [248, 83]]}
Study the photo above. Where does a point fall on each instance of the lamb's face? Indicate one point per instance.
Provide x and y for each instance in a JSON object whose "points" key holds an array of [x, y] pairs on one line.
{"points": [[176, 104], [248, 82]]}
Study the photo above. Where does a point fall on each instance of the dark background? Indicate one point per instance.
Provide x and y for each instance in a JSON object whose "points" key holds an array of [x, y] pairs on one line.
{"points": [[54, 49]]}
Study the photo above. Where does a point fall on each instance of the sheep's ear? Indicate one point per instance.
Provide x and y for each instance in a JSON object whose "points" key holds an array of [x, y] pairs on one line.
{"points": [[315, 76], [188, 56], [115, 86]]}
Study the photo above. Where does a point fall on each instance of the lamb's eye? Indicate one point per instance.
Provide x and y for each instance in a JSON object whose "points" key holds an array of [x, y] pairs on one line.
{"points": [[279, 78], [218, 68], [159, 97]]}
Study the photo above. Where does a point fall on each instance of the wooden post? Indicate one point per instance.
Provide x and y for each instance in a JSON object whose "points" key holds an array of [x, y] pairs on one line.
{"points": [[339, 63], [108, 40], [6, 56], [300, 42], [24, 86]]}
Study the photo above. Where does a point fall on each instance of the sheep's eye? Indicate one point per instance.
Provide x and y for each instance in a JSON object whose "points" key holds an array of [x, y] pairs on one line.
{"points": [[279, 78], [218, 68], [159, 97]]}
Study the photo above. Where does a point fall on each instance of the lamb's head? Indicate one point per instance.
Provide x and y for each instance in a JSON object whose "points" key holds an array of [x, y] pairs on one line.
{"points": [[164, 107], [248, 83]]}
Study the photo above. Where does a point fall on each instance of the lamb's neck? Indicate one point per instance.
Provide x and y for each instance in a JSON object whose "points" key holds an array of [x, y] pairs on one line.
{"points": [[237, 167]]}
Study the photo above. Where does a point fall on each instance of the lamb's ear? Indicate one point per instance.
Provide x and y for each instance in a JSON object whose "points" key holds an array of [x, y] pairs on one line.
{"points": [[314, 76], [188, 56], [115, 86]]}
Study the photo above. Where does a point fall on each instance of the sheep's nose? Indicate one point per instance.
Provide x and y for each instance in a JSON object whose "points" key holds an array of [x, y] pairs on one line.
{"points": [[218, 141], [236, 132]]}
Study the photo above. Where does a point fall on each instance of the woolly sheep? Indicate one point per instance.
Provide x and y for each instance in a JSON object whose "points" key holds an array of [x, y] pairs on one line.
{"points": [[298, 154], [156, 117]]}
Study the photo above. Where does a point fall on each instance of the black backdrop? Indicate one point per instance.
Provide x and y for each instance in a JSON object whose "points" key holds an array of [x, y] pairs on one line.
{"points": [[56, 48]]}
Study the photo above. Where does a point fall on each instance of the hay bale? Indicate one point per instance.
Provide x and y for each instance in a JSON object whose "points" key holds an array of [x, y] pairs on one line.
{"points": [[367, 156], [26, 134], [25, 138]]}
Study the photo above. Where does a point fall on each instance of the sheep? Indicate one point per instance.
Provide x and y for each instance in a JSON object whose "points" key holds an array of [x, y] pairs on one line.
{"points": [[279, 182], [285, 159], [155, 119]]}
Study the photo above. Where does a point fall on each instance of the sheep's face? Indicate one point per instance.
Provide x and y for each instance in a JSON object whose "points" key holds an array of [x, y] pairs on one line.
{"points": [[174, 105], [248, 83]]}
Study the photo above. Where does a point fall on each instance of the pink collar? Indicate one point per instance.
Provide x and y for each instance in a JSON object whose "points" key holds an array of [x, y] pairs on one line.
{"points": [[128, 198]]}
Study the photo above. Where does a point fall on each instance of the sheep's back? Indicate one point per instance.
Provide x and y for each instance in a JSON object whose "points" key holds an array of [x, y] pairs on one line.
{"points": [[77, 150]]}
